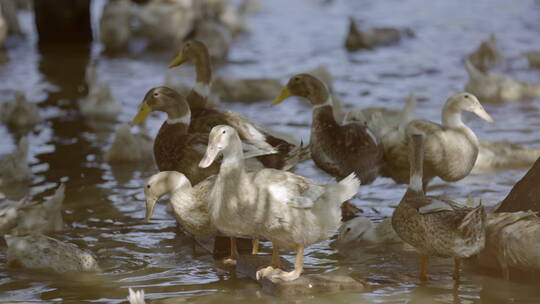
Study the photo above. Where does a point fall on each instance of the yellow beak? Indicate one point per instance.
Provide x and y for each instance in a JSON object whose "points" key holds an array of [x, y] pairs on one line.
{"points": [[284, 94], [144, 110], [177, 61]]}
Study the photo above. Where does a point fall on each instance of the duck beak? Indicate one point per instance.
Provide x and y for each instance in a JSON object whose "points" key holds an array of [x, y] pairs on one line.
{"points": [[150, 203], [481, 112], [144, 110], [177, 61], [284, 94], [209, 157]]}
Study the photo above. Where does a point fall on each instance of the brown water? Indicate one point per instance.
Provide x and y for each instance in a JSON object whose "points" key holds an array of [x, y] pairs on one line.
{"points": [[104, 205]]}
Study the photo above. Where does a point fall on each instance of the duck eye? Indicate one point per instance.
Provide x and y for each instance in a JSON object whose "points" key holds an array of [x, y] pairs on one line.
{"points": [[348, 229], [296, 79], [148, 186], [224, 131], [156, 94], [466, 96]]}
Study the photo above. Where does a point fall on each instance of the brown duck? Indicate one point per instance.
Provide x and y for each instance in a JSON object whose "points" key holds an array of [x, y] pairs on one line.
{"points": [[204, 118], [436, 226], [337, 149]]}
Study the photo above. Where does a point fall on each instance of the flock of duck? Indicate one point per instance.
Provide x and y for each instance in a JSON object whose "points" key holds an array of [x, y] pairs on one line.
{"points": [[227, 175]]}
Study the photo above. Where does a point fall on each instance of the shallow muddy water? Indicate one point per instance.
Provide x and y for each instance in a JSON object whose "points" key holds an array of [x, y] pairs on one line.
{"points": [[104, 206]]}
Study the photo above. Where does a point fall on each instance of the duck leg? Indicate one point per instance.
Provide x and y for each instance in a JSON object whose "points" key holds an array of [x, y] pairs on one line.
{"points": [[457, 266], [298, 267], [423, 267], [274, 268], [231, 260], [276, 261], [254, 246]]}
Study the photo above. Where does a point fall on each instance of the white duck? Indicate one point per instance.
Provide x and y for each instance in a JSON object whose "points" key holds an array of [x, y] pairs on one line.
{"points": [[25, 217], [492, 87], [128, 147], [114, 25], [14, 167], [99, 104], [287, 209], [189, 203], [362, 230], [37, 251], [500, 155], [451, 148], [20, 113], [512, 241]]}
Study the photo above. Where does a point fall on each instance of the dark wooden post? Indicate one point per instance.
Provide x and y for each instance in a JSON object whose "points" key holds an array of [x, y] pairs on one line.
{"points": [[63, 21]]}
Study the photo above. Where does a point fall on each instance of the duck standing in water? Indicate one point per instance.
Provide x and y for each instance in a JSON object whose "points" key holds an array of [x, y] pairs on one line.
{"points": [[451, 148], [338, 149], [287, 209], [204, 118], [436, 226]]}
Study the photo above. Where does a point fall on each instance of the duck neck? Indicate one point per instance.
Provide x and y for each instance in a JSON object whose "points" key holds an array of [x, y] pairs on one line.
{"points": [[179, 196], [233, 158], [322, 105], [178, 117], [200, 92], [451, 117], [416, 161]]}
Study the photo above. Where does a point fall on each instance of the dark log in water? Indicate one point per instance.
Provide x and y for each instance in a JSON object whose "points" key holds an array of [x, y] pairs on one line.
{"points": [[525, 195]]}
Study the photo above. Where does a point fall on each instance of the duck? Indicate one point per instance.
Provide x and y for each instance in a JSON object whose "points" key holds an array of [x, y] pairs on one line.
{"points": [[14, 168], [129, 147], [498, 88], [436, 226], [204, 118], [512, 242], [287, 209], [136, 296], [20, 113], [99, 104], [175, 147], [451, 148], [338, 149], [37, 251], [501, 155], [115, 26], [487, 54], [25, 217], [533, 58], [165, 23], [370, 38], [189, 203], [362, 230]]}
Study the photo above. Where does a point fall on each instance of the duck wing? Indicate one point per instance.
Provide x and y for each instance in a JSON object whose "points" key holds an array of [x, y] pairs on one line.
{"points": [[294, 190]]}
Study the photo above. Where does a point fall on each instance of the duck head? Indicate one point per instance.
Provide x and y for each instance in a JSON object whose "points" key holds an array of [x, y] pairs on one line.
{"points": [[192, 51], [165, 100], [220, 141], [357, 229], [160, 184], [307, 86], [465, 102]]}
